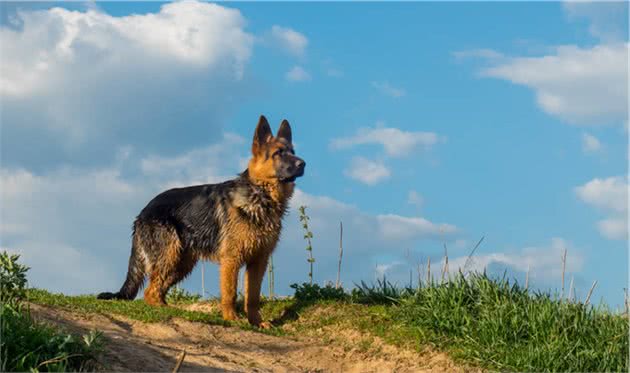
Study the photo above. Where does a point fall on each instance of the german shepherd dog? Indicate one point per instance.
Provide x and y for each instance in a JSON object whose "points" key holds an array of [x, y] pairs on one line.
{"points": [[234, 223]]}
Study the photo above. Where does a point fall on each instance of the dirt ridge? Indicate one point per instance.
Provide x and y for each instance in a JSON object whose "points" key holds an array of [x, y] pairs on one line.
{"points": [[154, 347]]}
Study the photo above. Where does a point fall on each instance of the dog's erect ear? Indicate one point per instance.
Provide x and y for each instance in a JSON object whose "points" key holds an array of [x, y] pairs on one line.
{"points": [[284, 131], [262, 134]]}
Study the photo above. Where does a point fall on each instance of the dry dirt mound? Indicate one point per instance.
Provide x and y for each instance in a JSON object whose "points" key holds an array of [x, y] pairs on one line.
{"points": [[137, 346]]}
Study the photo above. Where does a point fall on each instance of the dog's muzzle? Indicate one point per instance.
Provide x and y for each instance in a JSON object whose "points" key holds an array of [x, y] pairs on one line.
{"points": [[299, 171]]}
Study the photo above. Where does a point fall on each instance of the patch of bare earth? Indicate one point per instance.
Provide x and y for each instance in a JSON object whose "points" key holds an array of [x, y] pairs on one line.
{"points": [[137, 346]]}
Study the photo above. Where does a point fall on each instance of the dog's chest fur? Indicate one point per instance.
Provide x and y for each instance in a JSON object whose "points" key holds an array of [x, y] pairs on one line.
{"points": [[254, 220]]}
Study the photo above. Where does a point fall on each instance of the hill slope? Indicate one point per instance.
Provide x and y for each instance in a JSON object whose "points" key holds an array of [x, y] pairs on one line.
{"points": [[134, 345]]}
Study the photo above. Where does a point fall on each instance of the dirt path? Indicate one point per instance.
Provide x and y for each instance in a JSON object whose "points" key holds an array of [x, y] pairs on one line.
{"points": [[137, 346]]}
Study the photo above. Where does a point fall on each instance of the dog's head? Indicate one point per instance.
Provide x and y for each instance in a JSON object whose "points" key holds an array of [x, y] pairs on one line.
{"points": [[273, 158]]}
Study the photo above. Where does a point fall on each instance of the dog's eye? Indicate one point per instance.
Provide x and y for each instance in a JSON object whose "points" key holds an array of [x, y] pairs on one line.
{"points": [[277, 152]]}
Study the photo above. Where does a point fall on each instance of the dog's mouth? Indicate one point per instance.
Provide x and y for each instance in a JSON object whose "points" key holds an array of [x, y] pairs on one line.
{"points": [[291, 179]]}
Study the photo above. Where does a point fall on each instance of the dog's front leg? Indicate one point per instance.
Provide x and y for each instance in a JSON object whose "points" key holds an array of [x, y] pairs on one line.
{"points": [[229, 282], [253, 281]]}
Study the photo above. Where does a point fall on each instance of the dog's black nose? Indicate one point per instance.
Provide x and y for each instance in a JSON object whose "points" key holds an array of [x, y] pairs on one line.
{"points": [[300, 163]]}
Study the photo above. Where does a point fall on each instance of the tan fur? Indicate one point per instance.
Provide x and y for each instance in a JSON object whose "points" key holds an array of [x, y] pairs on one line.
{"points": [[245, 242]]}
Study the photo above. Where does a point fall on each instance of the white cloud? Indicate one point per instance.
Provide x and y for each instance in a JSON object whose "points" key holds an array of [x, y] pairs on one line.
{"points": [[389, 90], [544, 262], [297, 74], [67, 220], [290, 40], [81, 218], [368, 240], [367, 171], [390, 228], [583, 86], [614, 228], [396, 142], [611, 196], [60, 268], [607, 20], [198, 34], [197, 166], [590, 143], [414, 198], [608, 194], [138, 79], [400, 227]]}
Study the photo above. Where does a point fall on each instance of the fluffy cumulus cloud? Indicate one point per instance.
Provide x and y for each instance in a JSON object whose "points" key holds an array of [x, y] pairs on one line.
{"points": [[610, 196], [544, 262], [297, 74], [79, 82], [400, 227], [373, 243], [67, 225], [395, 142], [579, 85], [367, 171], [291, 41], [615, 228], [583, 86], [209, 164], [74, 224]]}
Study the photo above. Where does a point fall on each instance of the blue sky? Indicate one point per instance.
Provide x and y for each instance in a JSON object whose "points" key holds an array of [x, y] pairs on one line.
{"points": [[422, 124]]}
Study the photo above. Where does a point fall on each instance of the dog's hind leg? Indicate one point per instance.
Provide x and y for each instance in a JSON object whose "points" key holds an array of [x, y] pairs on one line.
{"points": [[172, 265]]}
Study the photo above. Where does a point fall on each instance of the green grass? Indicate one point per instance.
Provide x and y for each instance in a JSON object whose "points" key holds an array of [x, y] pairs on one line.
{"points": [[139, 310], [136, 310], [33, 346], [478, 321], [28, 345], [501, 326]]}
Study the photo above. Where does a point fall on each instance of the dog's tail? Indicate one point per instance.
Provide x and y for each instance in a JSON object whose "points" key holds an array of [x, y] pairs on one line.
{"points": [[135, 277]]}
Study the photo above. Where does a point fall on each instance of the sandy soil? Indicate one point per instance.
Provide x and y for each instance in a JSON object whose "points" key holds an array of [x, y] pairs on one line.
{"points": [[137, 346]]}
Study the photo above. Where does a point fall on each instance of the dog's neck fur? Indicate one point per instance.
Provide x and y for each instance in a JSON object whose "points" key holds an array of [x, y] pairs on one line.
{"points": [[268, 194]]}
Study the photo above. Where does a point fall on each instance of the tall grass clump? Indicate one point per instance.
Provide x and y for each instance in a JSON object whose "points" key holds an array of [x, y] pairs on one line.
{"points": [[490, 322], [26, 345], [501, 325], [381, 292]]}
